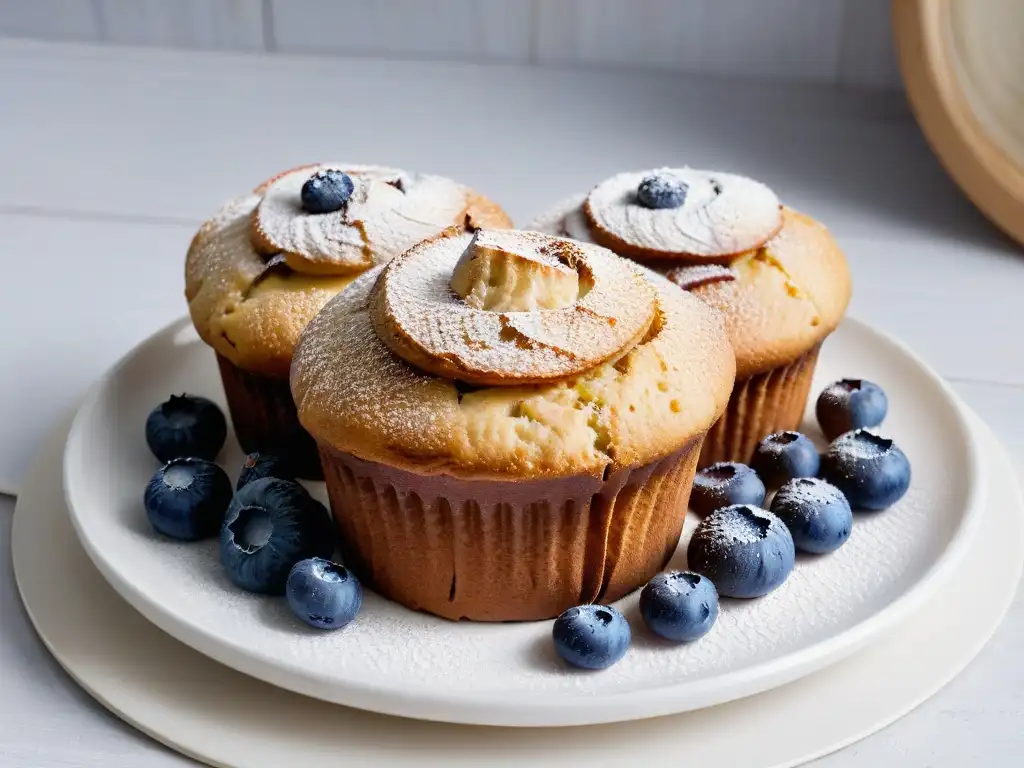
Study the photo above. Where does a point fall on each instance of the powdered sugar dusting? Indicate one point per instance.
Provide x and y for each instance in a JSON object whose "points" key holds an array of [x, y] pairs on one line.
{"points": [[389, 211], [416, 313], [809, 490], [695, 275], [396, 652], [723, 214], [575, 224], [740, 524], [223, 243], [372, 390], [221, 262], [770, 315], [503, 271], [566, 219], [355, 394], [860, 444], [775, 444]]}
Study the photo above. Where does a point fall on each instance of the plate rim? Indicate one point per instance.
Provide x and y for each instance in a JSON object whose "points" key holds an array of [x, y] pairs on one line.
{"points": [[564, 710], [185, 740]]}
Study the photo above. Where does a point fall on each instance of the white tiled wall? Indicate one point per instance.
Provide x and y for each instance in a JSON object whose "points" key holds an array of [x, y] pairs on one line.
{"points": [[210, 24], [842, 42], [458, 29]]}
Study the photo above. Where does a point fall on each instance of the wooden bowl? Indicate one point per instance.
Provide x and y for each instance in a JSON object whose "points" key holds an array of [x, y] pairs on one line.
{"points": [[963, 66]]}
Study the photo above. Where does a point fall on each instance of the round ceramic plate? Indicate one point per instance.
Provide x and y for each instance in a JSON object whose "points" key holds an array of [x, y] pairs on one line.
{"points": [[226, 719], [401, 662]]}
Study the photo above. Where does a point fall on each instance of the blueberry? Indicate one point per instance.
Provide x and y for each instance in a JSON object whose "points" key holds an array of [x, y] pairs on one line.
{"points": [[186, 426], [871, 470], [816, 512], [259, 465], [661, 190], [746, 551], [850, 404], [271, 525], [783, 456], [323, 594], [679, 605], [591, 636], [326, 191], [725, 483], [186, 498]]}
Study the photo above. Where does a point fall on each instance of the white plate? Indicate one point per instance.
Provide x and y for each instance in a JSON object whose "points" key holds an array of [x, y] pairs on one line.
{"points": [[399, 662], [227, 719]]}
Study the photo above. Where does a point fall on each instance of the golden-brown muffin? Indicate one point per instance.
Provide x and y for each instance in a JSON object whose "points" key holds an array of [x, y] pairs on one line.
{"points": [[777, 276], [499, 445], [263, 266]]}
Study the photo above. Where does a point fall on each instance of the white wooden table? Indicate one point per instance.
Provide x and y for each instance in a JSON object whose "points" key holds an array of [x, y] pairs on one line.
{"points": [[110, 158]]}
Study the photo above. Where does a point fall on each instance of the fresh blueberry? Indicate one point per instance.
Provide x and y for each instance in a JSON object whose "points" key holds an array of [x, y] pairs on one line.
{"points": [[259, 465], [871, 470], [186, 426], [746, 551], [816, 512], [326, 191], [723, 484], [661, 190], [186, 499], [783, 456], [271, 525], [850, 404], [323, 594], [591, 636], [679, 605]]}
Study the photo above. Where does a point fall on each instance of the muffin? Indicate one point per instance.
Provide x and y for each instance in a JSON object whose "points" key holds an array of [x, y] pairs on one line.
{"points": [[266, 263], [777, 276], [509, 423]]}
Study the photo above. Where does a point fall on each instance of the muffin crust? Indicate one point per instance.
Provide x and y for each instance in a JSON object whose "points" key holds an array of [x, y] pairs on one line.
{"points": [[251, 306], [781, 299], [356, 396]]}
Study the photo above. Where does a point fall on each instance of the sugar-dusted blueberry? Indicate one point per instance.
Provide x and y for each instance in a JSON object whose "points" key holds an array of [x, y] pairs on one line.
{"points": [[679, 605], [869, 469], [816, 512], [270, 525], [258, 465], [591, 636], [186, 426], [326, 191], [850, 404], [661, 190], [186, 499], [746, 551], [323, 594], [783, 456], [724, 484]]}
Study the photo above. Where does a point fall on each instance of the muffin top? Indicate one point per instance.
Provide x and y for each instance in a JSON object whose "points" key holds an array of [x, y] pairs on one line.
{"points": [[266, 263], [777, 276], [503, 354]]}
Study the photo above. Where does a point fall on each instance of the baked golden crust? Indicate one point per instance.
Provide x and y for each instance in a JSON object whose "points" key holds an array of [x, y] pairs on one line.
{"points": [[250, 306], [356, 396], [417, 311], [787, 297], [782, 299], [484, 213], [721, 216]]}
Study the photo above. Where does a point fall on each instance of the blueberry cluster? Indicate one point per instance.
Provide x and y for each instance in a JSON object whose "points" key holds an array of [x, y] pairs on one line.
{"points": [[275, 538], [741, 549], [679, 606]]}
